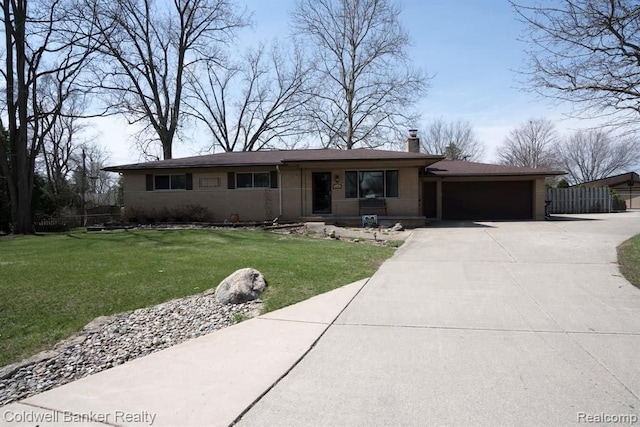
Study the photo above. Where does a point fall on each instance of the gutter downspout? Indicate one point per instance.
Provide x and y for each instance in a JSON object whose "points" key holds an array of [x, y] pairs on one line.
{"points": [[279, 189]]}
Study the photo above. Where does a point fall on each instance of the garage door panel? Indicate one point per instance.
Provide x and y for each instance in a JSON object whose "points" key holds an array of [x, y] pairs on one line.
{"points": [[487, 200]]}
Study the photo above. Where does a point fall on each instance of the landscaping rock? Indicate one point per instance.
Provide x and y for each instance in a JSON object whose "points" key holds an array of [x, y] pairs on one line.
{"points": [[241, 286], [397, 227], [110, 341]]}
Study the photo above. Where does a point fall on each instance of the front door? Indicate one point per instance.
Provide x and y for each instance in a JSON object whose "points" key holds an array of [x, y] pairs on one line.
{"points": [[321, 189]]}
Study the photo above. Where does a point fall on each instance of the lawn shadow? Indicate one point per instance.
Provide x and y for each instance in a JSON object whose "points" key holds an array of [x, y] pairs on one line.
{"points": [[162, 236], [126, 237]]}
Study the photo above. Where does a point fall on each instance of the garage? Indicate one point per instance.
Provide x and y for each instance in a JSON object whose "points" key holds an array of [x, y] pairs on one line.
{"points": [[487, 200], [457, 190]]}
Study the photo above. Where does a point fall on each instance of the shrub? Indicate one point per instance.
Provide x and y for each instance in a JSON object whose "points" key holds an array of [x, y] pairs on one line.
{"points": [[182, 214], [198, 213], [132, 215], [618, 203]]}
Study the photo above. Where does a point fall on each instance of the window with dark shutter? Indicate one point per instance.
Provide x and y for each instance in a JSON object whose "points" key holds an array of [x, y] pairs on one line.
{"points": [[189, 183], [251, 180], [168, 182], [244, 180], [162, 182], [178, 182], [261, 180]]}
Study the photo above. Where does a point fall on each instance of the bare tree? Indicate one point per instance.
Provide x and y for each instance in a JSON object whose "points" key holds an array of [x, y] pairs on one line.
{"points": [[149, 46], [5, 202], [595, 154], [42, 45], [62, 143], [365, 85], [533, 145], [100, 187], [252, 104], [456, 140], [586, 52]]}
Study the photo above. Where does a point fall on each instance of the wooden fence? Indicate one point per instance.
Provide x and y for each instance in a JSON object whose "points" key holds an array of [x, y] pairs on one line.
{"points": [[576, 200]]}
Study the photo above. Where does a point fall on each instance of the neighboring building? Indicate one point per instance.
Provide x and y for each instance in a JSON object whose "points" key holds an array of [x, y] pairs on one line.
{"points": [[337, 186], [627, 185]]}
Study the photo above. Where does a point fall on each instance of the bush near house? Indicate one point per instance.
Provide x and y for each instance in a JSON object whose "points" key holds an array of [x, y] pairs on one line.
{"points": [[183, 214], [618, 204]]}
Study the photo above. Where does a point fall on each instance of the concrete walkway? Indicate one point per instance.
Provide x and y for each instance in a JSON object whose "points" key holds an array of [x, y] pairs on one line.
{"points": [[525, 323], [498, 324], [208, 381]]}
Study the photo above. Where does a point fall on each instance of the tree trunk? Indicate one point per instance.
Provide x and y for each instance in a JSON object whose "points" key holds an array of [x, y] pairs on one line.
{"points": [[167, 152], [22, 221], [166, 141], [20, 160]]}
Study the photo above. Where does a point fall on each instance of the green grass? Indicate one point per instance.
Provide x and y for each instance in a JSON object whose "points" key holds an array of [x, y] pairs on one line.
{"points": [[239, 317], [52, 285], [629, 259]]}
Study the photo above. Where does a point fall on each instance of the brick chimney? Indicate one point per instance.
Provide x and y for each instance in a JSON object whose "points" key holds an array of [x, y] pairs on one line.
{"points": [[412, 145]]}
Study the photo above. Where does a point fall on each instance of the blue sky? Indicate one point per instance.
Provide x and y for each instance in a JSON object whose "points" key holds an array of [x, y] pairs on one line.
{"points": [[471, 48]]}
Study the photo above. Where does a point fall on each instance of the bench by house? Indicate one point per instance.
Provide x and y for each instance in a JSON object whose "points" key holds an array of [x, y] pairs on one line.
{"points": [[373, 206]]}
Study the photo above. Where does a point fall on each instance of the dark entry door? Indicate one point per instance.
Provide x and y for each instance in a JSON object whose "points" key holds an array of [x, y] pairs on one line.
{"points": [[429, 199], [321, 189]]}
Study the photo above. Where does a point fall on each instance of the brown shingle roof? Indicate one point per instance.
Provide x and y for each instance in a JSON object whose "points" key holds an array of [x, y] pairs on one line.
{"points": [[276, 157], [450, 168], [612, 181]]}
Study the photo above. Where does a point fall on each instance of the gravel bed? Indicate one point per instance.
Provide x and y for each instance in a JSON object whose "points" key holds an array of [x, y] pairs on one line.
{"points": [[110, 341]]}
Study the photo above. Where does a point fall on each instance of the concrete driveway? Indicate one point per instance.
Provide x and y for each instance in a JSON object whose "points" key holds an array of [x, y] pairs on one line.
{"points": [[526, 323]]}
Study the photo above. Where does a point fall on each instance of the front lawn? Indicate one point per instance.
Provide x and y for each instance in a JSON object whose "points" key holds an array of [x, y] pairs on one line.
{"points": [[52, 285], [629, 260]]}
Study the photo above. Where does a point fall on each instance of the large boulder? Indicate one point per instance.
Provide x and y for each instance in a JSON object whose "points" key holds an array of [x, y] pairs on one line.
{"points": [[241, 286]]}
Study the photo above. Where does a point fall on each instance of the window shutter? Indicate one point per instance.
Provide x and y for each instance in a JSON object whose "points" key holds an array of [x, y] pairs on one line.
{"points": [[231, 180], [149, 182], [189, 183], [274, 179]]}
